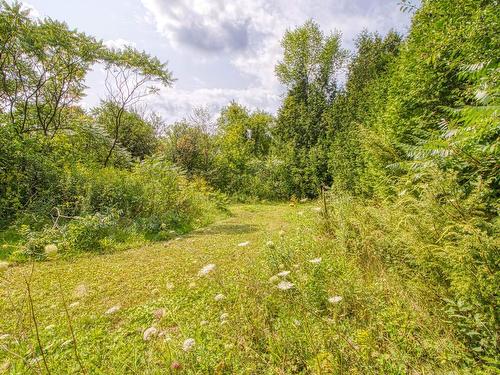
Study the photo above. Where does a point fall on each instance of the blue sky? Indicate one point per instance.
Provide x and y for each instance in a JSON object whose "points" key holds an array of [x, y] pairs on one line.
{"points": [[218, 50]]}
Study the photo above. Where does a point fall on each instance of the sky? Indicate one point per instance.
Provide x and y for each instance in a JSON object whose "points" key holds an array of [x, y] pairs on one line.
{"points": [[218, 50]]}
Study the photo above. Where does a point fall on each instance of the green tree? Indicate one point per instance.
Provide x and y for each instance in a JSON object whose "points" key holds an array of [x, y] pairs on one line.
{"points": [[309, 68]]}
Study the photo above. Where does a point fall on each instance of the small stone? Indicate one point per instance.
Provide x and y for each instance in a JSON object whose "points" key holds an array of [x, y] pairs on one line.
{"points": [[4, 266], [243, 244], [50, 250]]}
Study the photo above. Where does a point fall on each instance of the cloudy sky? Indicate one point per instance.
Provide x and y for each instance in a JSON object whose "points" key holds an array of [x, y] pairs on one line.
{"points": [[218, 50]]}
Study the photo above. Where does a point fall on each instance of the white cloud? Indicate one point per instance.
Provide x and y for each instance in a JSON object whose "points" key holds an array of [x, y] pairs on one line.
{"points": [[247, 33], [119, 43], [174, 103], [34, 13]]}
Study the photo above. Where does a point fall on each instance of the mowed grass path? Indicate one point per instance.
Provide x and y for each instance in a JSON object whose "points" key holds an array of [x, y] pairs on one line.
{"points": [[339, 312], [139, 281]]}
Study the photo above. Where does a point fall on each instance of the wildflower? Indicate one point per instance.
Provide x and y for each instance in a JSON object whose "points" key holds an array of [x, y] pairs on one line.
{"points": [[315, 261], [4, 266], [188, 344], [283, 273], [335, 299], [285, 285], [175, 365], [206, 270], [270, 244], [50, 250], [159, 313], [150, 333], [296, 322], [112, 310], [273, 279], [243, 244], [219, 297], [81, 291]]}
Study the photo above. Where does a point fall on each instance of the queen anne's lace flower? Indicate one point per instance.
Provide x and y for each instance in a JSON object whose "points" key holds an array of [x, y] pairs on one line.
{"points": [[188, 344], [285, 285], [206, 270]]}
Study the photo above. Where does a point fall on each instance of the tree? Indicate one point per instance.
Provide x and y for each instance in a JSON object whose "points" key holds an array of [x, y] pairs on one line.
{"points": [[310, 64], [42, 70], [190, 143], [130, 77], [136, 134]]}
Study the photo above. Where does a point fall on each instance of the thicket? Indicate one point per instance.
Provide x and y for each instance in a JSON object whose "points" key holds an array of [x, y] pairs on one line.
{"points": [[77, 180], [409, 147]]}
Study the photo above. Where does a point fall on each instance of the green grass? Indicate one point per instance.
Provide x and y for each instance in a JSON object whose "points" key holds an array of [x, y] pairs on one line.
{"points": [[382, 324]]}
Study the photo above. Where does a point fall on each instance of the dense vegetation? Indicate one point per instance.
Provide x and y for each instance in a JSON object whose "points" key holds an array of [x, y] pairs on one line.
{"points": [[404, 156]]}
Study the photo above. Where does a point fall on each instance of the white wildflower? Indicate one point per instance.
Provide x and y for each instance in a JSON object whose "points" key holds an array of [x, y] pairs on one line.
{"points": [[285, 285], [335, 299], [270, 244], [112, 310], [81, 291], [149, 333], [243, 244], [296, 322], [50, 250], [315, 261], [219, 297], [283, 273], [188, 344], [206, 270]]}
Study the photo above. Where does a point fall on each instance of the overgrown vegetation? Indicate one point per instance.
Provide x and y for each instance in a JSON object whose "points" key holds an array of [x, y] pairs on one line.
{"points": [[399, 273]]}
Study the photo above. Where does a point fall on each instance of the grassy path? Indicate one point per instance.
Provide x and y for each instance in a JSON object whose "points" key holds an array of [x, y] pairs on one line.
{"points": [[238, 318]]}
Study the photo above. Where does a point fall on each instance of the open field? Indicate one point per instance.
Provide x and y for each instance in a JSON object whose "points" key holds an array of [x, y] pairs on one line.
{"points": [[335, 316]]}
